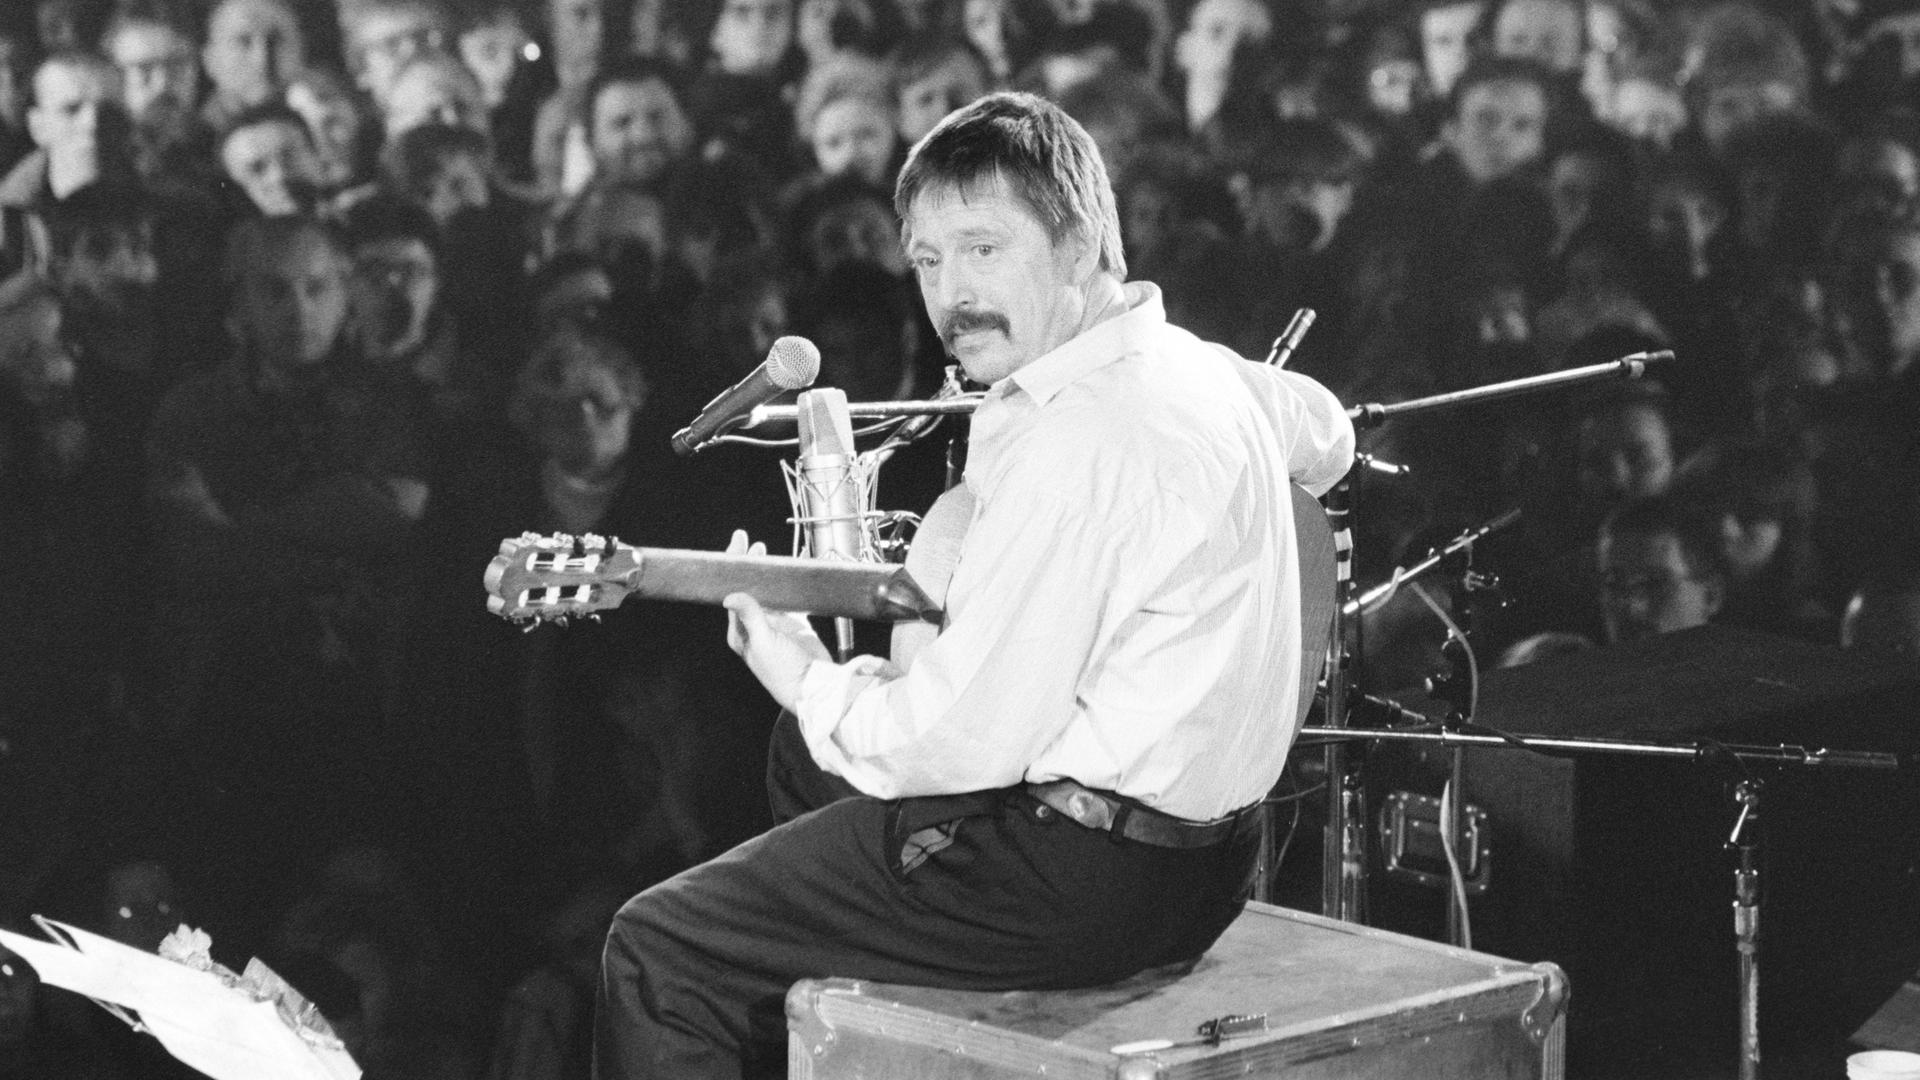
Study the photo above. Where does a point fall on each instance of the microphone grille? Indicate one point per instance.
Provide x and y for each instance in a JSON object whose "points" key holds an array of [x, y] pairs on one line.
{"points": [[793, 363]]}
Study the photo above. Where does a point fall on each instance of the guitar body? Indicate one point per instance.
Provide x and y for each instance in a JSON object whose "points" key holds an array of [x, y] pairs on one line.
{"points": [[1314, 536]]}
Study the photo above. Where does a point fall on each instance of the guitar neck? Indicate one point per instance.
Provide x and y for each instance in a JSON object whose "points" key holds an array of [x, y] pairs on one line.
{"points": [[824, 587]]}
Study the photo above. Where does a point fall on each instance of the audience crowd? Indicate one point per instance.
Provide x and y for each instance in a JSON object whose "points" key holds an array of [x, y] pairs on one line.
{"points": [[308, 304]]}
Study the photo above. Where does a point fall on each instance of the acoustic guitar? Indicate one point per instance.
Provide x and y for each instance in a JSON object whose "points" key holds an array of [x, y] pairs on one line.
{"points": [[559, 577]]}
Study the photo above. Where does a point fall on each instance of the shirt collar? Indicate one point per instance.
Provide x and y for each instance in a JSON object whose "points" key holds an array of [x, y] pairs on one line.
{"points": [[1095, 348]]}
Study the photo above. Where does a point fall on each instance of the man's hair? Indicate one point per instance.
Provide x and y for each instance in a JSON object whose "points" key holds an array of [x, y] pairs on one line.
{"points": [[636, 69], [273, 111], [1046, 159], [1696, 532]]}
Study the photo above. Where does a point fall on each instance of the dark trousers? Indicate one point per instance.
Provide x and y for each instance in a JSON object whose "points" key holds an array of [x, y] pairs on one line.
{"points": [[1005, 895]]}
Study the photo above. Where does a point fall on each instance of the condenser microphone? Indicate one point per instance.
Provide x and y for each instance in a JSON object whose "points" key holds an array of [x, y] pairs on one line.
{"points": [[830, 502], [792, 364], [828, 499]]}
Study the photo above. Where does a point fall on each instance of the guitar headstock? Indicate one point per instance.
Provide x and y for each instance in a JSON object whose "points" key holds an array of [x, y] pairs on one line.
{"points": [[558, 577]]}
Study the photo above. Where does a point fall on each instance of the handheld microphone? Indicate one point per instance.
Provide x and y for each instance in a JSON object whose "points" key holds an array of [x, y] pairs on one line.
{"points": [[830, 504], [792, 364]]}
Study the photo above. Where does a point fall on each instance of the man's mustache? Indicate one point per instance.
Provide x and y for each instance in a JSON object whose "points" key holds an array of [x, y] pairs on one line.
{"points": [[966, 322]]}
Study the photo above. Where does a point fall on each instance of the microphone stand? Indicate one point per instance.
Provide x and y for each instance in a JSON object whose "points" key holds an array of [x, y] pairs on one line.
{"points": [[1343, 861]]}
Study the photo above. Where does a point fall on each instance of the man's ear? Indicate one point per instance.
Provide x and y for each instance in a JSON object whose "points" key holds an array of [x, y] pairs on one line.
{"points": [[1083, 252], [37, 125]]}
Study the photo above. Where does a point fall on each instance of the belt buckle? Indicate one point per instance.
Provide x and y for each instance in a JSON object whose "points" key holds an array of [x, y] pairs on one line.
{"points": [[1089, 809]]}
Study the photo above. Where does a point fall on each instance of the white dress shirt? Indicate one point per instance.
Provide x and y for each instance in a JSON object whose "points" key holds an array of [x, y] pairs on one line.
{"points": [[1126, 608]]}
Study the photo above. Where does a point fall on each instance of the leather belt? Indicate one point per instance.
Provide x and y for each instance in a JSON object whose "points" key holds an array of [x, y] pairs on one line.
{"points": [[1105, 813]]}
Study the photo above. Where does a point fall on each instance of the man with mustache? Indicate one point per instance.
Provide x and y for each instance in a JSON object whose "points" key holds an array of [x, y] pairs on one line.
{"points": [[1061, 789]]}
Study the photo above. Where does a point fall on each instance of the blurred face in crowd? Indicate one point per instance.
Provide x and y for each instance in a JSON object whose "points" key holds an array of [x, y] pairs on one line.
{"points": [[1550, 31], [396, 283], [996, 286], [1323, 200], [617, 223], [585, 421], [142, 905], [638, 131], [456, 183], [984, 23], [1205, 48], [274, 164], [1500, 128], [752, 36], [1573, 181], [1445, 32], [1897, 288], [860, 231], [1647, 587], [864, 354], [105, 280], [575, 29], [336, 124], [494, 51], [252, 47], [75, 116], [1749, 545], [1502, 317], [1626, 453], [1727, 108], [434, 91], [854, 135], [813, 26], [1682, 220], [159, 72], [1393, 83], [576, 301], [927, 100], [1903, 29], [384, 40], [58, 24], [1880, 173], [293, 300], [1651, 111]]}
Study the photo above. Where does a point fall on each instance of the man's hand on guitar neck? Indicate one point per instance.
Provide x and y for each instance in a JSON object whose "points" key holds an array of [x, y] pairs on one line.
{"points": [[777, 646]]}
